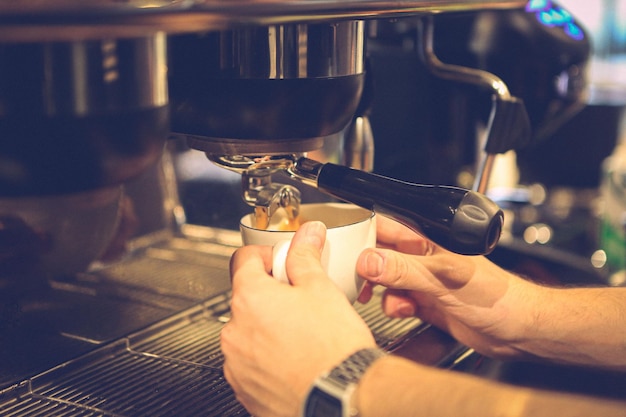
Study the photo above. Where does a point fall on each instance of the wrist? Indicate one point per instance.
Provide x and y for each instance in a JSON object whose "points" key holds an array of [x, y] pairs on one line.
{"points": [[332, 393], [527, 303]]}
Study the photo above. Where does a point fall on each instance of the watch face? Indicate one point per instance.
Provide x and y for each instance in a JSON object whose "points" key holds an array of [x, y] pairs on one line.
{"points": [[321, 404]]}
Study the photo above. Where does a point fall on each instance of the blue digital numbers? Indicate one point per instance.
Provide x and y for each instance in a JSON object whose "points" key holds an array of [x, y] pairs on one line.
{"points": [[551, 15]]}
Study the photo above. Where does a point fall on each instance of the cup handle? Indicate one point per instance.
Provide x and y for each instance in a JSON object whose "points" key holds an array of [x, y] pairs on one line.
{"points": [[279, 256]]}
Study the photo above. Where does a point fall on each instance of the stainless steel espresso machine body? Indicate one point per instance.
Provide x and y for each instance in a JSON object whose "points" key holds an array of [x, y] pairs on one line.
{"points": [[98, 98]]}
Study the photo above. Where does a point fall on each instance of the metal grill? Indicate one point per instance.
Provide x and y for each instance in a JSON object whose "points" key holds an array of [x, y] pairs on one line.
{"points": [[170, 369], [173, 367]]}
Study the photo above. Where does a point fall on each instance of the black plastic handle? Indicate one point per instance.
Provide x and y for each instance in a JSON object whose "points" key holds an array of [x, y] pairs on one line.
{"points": [[460, 220]]}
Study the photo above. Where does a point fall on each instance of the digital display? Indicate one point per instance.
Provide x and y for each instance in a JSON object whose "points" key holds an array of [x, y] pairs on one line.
{"points": [[551, 15], [321, 404]]}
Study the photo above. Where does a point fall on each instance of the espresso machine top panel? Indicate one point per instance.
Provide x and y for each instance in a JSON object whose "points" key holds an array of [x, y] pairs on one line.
{"points": [[31, 20]]}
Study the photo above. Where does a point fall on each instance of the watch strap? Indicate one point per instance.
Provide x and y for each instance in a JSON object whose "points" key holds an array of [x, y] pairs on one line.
{"points": [[352, 369]]}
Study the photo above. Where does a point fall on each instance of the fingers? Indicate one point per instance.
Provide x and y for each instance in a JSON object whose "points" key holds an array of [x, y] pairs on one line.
{"points": [[433, 274], [398, 304], [391, 234], [303, 259], [366, 293], [302, 263], [385, 267], [250, 261], [388, 230]]}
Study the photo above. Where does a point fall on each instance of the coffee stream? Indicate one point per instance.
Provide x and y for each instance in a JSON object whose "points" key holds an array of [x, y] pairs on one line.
{"points": [[293, 220], [290, 223]]}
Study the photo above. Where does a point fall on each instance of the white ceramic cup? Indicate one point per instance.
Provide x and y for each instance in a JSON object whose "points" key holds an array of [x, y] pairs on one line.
{"points": [[350, 230]]}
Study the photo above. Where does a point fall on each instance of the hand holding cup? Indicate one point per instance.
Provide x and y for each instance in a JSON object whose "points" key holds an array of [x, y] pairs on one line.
{"points": [[350, 230]]}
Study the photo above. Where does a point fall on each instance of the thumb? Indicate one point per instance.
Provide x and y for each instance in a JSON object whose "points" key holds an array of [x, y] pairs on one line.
{"points": [[434, 274], [303, 258], [398, 270]]}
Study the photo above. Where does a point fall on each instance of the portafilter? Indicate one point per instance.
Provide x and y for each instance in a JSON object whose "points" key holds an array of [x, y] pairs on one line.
{"points": [[458, 219]]}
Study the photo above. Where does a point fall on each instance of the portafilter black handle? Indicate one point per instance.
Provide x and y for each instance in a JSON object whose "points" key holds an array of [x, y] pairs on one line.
{"points": [[457, 219]]}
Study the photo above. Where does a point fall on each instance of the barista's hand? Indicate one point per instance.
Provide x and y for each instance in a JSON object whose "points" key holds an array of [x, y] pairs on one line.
{"points": [[474, 300], [281, 337]]}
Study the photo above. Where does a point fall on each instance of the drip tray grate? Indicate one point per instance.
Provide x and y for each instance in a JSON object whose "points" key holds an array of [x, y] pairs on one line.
{"points": [[173, 368]]}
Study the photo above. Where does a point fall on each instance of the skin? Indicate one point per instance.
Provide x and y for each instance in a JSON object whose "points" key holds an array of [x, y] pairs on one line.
{"points": [[323, 330], [394, 386], [281, 337], [494, 311]]}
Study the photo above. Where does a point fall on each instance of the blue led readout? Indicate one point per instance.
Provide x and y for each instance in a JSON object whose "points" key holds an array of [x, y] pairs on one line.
{"points": [[553, 16], [573, 30], [536, 5]]}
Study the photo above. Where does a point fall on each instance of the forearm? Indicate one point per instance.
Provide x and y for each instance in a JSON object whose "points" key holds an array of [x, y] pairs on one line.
{"points": [[585, 326], [397, 387]]}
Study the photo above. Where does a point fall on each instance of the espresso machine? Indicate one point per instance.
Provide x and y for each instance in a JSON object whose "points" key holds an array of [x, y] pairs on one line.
{"points": [[111, 297]]}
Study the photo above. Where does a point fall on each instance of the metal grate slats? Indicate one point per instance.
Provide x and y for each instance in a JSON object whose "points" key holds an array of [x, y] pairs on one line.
{"points": [[136, 385], [172, 368], [386, 331], [197, 342]]}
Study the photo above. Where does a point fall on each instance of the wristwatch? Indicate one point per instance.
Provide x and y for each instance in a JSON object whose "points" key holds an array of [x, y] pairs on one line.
{"points": [[331, 393]]}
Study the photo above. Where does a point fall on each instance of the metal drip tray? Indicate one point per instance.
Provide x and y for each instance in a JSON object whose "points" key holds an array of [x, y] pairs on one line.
{"points": [[172, 367]]}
